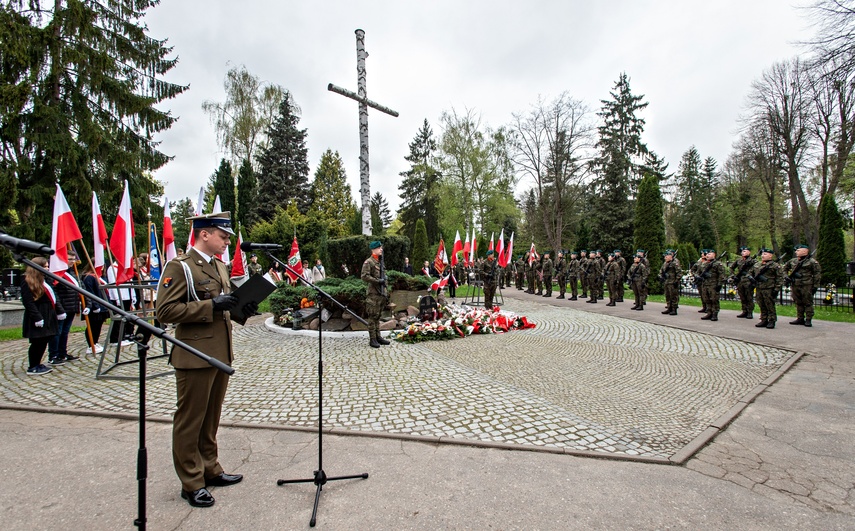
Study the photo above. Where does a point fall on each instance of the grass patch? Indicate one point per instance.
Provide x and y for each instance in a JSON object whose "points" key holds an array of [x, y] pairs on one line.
{"points": [[9, 334], [821, 313]]}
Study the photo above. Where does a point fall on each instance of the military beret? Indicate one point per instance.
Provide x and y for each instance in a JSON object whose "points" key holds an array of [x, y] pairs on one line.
{"points": [[616, 251], [744, 249], [491, 252], [375, 244], [611, 255], [640, 251], [710, 250], [767, 250], [573, 252], [800, 246], [669, 251], [220, 220], [583, 251]]}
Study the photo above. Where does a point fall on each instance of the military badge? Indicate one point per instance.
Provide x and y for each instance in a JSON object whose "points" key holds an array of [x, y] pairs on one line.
{"points": [[167, 281]]}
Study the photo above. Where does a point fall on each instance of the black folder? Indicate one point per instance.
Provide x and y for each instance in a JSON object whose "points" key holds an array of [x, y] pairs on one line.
{"points": [[256, 289]]}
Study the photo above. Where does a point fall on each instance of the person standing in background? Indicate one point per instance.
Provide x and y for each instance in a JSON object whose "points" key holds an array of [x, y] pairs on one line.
{"points": [[42, 312]]}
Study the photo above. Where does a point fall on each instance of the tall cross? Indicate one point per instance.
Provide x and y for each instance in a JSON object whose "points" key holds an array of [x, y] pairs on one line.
{"points": [[364, 103]]}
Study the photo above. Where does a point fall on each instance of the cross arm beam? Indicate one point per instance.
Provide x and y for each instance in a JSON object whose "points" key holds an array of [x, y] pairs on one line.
{"points": [[355, 96]]}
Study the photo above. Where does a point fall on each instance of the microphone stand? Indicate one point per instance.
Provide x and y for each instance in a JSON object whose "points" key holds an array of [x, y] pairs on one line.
{"points": [[142, 351], [319, 476]]}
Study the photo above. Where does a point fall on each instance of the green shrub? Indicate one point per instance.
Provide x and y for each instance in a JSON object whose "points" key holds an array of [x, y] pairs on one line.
{"points": [[349, 292], [353, 250], [402, 281]]}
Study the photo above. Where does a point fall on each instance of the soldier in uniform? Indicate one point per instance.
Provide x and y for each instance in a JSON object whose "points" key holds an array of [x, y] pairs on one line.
{"points": [[561, 275], [601, 258], [713, 275], [583, 272], [669, 277], [573, 275], [194, 292], [641, 253], [538, 276], [637, 276], [519, 265], [253, 266], [594, 275], [641, 297], [621, 261], [613, 278], [529, 273], [694, 271], [804, 273], [375, 294], [488, 271], [768, 277], [548, 268], [741, 269]]}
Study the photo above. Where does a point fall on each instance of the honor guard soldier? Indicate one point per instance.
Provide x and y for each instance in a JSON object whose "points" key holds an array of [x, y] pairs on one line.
{"points": [[601, 258], [621, 261], [254, 267], [375, 278], [594, 274], [547, 269], [194, 292], [713, 275], [489, 270], [573, 275], [638, 274], [741, 270], [519, 265], [696, 267], [583, 272], [767, 277], [669, 277], [803, 273], [613, 278], [561, 275], [529, 273]]}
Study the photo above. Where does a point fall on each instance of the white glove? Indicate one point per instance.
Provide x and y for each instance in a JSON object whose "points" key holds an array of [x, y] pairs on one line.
{"points": [[40, 324], [86, 311], [96, 310], [61, 317]]}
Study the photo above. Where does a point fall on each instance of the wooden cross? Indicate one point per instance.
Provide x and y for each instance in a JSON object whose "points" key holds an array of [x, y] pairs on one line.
{"points": [[364, 103]]}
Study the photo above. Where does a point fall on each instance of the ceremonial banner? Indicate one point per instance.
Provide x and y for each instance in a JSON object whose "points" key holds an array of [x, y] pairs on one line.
{"points": [[122, 239], [458, 246], [63, 232], [441, 259], [509, 258], [239, 269], [294, 261], [169, 251], [500, 250], [197, 212], [99, 233]]}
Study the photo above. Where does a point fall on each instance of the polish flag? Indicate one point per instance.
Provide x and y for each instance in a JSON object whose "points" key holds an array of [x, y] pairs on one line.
{"points": [[239, 269], [122, 239], [491, 241], [169, 251], [65, 231], [466, 249], [197, 212], [500, 250], [533, 256], [510, 254], [458, 246], [225, 256], [439, 283], [472, 249], [99, 231]]}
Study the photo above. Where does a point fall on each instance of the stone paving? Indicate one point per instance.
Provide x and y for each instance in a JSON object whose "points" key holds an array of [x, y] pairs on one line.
{"points": [[579, 382]]}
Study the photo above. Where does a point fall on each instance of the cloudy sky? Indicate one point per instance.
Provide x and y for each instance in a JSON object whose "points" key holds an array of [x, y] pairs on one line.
{"points": [[694, 62]]}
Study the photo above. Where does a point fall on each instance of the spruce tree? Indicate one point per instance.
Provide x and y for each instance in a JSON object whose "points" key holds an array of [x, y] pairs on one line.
{"points": [[831, 250], [284, 164], [247, 192], [81, 83], [181, 210], [330, 192], [381, 217], [650, 226], [421, 251], [419, 190], [223, 184]]}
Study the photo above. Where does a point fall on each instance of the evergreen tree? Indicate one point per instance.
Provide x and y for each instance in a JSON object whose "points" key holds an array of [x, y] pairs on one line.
{"points": [[831, 251], [181, 210], [329, 192], [223, 185], [284, 164], [355, 220], [381, 217], [80, 87], [650, 226], [247, 192], [421, 251], [694, 186], [617, 167], [419, 190]]}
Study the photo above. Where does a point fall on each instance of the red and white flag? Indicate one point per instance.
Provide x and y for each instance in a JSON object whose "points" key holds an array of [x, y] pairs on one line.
{"points": [[500, 250], [239, 270], [64, 231], [122, 239], [441, 258], [294, 261], [198, 212], [533, 256], [491, 248], [510, 254], [99, 232], [439, 283], [466, 249], [458, 246], [169, 251], [472, 249], [225, 256]]}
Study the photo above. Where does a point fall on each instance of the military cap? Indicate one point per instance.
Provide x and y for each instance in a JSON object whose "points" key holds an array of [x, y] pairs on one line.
{"points": [[573, 252], [744, 249], [710, 250], [583, 251], [669, 251], [611, 255], [767, 250], [800, 246], [616, 251], [253, 255], [491, 252], [220, 220], [640, 251], [375, 244]]}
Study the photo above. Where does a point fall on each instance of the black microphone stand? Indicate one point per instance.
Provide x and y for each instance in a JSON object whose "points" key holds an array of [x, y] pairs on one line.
{"points": [[142, 352], [319, 476]]}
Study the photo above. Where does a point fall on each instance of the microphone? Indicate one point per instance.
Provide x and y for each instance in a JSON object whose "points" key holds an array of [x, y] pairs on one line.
{"points": [[249, 246], [20, 245]]}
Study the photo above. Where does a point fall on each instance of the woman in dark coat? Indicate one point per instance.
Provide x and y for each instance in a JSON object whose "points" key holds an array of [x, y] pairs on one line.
{"points": [[96, 312], [42, 311]]}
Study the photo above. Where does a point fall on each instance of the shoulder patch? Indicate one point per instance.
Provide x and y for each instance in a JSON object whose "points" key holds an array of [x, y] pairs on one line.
{"points": [[166, 282]]}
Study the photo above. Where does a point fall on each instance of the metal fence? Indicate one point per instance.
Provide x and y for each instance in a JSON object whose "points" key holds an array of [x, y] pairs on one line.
{"points": [[830, 296]]}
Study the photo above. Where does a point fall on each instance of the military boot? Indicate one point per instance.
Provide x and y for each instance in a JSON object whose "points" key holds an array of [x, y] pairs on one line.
{"points": [[749, 315], [703, 310], [373, 340], [673, 312], [799, 321], [808, 323], [574, 298], [744, 314], [762, 324], [770, 324], [707, 317], [666, 311], [714, 316], [382, 340], [611, 303]]}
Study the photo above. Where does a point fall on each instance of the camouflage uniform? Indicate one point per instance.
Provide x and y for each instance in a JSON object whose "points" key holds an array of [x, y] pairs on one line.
{"points": [[805, 281], [594, 275], [694, 272], [538, 276], [573, 277], [613, 278], [583, 273], [375, 299], [488, 271], [529, 274], [621, 261], [561, 275], [638, 274], [669, 277], [713, 275], [742, 270], [769, 277], [548, 269]]}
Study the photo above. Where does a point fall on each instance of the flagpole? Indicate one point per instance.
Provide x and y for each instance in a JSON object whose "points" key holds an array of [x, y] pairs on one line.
{"points": [[82, 298]]}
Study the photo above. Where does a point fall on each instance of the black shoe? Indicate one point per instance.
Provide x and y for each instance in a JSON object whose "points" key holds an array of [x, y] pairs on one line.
{"points": [[56, 361], [223, 480], [69, 357], [198, 498], [560, 297], [374, 343], [383, 341], [612, 303], [703, 310], [742, 315], [619, 300], [808, 323], [714, 317], [641, 308], [799, 321], [749, 315], [573, 299], [707, 317], [636, 307], [666, 312], [770, 324], [672, 312], [762, 324]]}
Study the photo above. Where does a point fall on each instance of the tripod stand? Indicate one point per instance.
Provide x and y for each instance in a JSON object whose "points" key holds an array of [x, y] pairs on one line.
{"points": [[319, 476]]}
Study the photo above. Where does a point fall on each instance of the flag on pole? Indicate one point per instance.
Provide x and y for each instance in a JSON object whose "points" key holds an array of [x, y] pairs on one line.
{"points": [[439, 283], [466, 248], [533, 256], [500, 250], [198, 212], [456, 248], [153, 252], [169, 251], [239, 270], [441, 259], [472, 249], [99, 233], [294, 261], [122, 239], [64, 231], [510, 254], [491, 241], [225, 256]]}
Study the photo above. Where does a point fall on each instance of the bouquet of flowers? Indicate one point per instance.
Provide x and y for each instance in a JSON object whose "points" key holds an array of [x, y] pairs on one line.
{"points": [[461, 321], [830, 294], [286, 319]]}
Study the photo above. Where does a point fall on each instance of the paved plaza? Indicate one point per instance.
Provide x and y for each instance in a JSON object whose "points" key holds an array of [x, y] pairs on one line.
{"points": [[588, 380]]}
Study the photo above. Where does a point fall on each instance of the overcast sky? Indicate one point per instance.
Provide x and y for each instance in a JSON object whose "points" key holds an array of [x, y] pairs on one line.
{"points": [[694, 62]]}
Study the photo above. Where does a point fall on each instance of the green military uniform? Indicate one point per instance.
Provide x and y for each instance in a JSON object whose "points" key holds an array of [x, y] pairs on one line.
{"points": [[613, 278], [488, 271], [529, 273], [573, 276], [548, 268], [185, 296], [561, 275], [669, 277], [768, 277], [638, 274], [593, 273], [584, 265], [804, 274], [538, 276], [741, 270], [254, 268], [375, 299], [693, 270], [621, 261], [519, 265], [713, 275]]}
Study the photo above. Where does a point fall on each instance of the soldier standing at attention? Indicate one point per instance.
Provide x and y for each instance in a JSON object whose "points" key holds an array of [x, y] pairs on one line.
{"points": [[713, 276], [613, 278], [669, 276], [253, 266], [538, 276], [488, 271], [768, 276], [548, 269], [804, 273], [573, 275], [594, 276], [621, 261], [637, 277], [696, 269], [600, 282], [375, 294], [561, 275], [583, 272], [194, 292], [529, 273], [741, 271], [520, 270]]}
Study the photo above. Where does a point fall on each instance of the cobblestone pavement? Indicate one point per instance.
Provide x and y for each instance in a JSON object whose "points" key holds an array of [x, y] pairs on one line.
{"points": [[579, 382]]}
